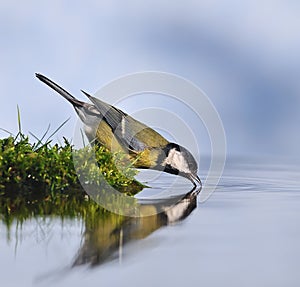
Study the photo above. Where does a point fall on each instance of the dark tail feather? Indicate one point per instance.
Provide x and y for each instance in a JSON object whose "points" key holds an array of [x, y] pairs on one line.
{"points": [[60, 90]]}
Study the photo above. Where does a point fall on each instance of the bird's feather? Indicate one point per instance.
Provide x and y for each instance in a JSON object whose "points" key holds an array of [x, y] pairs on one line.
{"points": [[131, 133]]}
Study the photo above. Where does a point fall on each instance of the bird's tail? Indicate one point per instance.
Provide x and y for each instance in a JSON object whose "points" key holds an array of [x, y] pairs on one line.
{"points": [[60, 90]]}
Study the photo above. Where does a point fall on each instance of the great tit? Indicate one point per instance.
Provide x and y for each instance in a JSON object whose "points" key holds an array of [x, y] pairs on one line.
{"points": [[117, 131]]}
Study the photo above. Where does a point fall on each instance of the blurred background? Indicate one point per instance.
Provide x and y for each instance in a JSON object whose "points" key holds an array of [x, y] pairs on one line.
{"points": [[243, 54]]}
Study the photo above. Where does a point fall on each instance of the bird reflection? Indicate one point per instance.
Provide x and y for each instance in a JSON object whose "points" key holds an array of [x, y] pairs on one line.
{"points": [[104, 239]]}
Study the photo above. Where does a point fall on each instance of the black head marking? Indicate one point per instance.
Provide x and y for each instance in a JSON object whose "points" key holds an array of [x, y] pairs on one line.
{"points": [[170, 146]]}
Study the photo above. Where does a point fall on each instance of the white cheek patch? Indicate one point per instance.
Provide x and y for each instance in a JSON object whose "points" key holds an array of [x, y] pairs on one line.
{"points": [[176, 160]]}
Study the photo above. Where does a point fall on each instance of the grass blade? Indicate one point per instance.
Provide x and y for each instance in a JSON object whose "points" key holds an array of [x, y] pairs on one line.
{"points": [[19, 120], [35, 137], [7, 132], [57, 129], [40, 141]]}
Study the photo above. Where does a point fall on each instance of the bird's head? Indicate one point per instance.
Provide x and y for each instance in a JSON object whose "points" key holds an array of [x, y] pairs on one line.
{"points": [[178, 160]]}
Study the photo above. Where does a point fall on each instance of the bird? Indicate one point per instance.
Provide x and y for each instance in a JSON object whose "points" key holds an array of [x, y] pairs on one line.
{"points": [[118, 131]]}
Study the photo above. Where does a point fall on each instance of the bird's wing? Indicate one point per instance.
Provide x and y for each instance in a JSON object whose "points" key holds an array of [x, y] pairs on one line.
{"points": [[133, 134]]}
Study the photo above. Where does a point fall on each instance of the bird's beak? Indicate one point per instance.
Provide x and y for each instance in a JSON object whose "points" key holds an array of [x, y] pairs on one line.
{"points": [[195, 178]]}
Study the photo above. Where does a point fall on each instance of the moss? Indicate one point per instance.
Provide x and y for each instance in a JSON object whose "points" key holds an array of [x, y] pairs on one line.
{"points": [[48, 171]]}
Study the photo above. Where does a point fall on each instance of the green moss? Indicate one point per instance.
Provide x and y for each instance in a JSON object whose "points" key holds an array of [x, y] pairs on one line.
{"points": [[48, 171]]}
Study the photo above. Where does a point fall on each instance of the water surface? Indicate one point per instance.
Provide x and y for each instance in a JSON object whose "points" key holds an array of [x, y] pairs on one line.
{"points": [[246, 234]]}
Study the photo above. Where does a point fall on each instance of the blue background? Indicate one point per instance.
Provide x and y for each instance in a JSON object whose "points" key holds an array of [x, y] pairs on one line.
{"points": [[243, 54]]}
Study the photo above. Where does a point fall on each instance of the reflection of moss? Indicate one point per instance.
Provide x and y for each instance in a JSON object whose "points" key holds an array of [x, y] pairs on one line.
{"points": [[48, 171], [98, 222], [20, 209]]}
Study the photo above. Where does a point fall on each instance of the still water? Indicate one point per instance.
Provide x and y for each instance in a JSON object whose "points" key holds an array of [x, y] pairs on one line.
{"points": [[246, 234]]}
